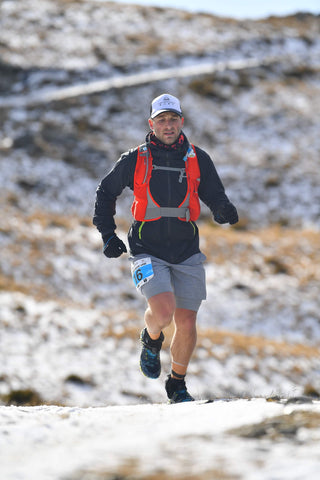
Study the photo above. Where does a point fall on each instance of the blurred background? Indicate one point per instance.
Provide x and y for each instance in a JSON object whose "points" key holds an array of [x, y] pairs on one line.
{"points": [[76, 82]]}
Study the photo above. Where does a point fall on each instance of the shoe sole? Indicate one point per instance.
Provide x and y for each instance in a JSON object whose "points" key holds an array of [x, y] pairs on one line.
{"points": [[148, 374]]}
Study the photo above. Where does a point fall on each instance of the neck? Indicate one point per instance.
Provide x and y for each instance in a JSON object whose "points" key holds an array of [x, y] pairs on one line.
{"points": [[175, 146]]}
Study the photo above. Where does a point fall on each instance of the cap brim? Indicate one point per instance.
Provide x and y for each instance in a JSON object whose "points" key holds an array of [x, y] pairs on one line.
{"points": [[155, 114]]}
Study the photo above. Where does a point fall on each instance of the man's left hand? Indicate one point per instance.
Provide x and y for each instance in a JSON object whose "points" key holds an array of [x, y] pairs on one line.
{"points": [[227, 213]]}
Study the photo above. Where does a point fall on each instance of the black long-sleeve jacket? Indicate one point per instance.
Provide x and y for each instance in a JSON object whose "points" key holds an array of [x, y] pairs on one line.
{"points": [[170, 239]]}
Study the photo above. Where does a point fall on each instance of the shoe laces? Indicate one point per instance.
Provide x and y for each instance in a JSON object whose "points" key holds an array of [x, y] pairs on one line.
{"points": [[151, 354]]}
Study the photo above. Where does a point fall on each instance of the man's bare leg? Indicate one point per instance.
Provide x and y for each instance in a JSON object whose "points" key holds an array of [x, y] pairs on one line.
{"points": [[182, 346], [159, 313], [184, 339]]}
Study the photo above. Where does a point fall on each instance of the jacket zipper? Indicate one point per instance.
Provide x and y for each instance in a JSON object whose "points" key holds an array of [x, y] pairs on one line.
{"points": [[169, 201]]}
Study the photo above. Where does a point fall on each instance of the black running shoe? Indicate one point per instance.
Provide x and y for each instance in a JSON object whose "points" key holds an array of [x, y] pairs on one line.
{"points": [[150, 355], [177, 391]]}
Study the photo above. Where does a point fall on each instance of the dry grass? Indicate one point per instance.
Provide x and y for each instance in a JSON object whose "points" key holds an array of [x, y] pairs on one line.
{"points": [[239, 343], [269, 250], [280, 427], [9, 284], [34, 242], [304, 24], [272, 250], [131, 471]]}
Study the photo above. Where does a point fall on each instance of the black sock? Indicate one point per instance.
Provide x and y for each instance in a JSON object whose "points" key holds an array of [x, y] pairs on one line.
{"points": [[177, 376]]}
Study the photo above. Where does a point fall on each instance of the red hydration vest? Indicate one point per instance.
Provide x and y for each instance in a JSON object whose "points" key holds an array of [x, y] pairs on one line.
{"points": [[145, 208]]}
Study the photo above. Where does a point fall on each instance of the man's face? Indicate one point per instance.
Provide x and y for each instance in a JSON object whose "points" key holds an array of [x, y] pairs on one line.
{"points": [[167, 127]]}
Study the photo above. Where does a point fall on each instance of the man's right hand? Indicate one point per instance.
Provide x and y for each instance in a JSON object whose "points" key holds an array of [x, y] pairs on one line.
{"points": [[114, 247]]}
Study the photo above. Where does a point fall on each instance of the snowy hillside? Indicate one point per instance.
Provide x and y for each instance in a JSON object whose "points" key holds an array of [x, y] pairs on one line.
{"points": [[70, 320]]}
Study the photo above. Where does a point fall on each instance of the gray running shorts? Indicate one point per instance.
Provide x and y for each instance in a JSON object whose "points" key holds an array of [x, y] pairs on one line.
{"points": [[186, 280]]}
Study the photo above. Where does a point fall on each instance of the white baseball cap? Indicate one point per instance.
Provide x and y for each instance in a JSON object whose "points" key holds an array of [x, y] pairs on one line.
{"points": [[165, 103]]}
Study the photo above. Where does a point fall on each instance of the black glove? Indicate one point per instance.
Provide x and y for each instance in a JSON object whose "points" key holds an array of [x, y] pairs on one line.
{"points": [[227, 213], [114, 247]]}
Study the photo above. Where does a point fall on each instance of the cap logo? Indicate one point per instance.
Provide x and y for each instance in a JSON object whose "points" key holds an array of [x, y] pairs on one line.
{"points": [[166, 102]]}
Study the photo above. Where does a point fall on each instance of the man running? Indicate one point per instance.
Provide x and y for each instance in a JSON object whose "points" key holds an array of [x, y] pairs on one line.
{"points": [[168, 176]]}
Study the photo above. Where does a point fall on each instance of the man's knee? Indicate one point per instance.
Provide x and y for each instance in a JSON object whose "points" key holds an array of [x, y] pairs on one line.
{"points": [[162, 307]]}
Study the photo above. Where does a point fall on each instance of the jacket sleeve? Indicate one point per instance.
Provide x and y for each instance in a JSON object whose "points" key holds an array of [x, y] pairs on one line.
{"points": [[211, 190], [120, 176]]}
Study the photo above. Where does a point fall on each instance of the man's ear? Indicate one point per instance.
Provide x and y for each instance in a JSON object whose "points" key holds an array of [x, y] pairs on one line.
{"points": [[150, 123]]}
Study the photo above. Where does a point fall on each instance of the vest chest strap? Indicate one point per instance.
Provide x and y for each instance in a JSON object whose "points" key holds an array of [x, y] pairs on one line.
{"points": [[155, 212], [182, 171]]}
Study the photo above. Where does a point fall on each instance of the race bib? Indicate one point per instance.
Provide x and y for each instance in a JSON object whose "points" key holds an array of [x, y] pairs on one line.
{"points": [[142, 271]]}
